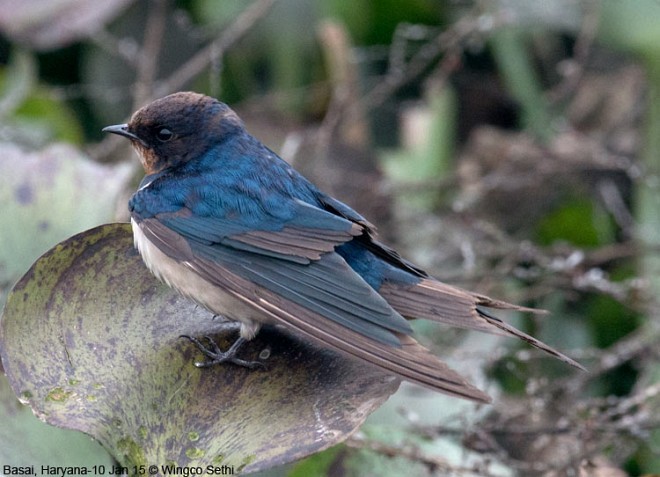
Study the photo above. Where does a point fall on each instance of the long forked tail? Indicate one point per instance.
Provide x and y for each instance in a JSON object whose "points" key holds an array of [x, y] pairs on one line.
{"points": [[510, 330], [436, 301]]}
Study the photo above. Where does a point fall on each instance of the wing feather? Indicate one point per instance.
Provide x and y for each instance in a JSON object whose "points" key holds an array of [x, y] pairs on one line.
{"points": [[299, 240], [325, 301], [327, 287], [409, 361]]}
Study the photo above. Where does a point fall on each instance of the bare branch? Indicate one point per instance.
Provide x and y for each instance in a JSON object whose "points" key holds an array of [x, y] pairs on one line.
{"points": [[214, 51], [413, 453], [153, 39], [451, 40]]}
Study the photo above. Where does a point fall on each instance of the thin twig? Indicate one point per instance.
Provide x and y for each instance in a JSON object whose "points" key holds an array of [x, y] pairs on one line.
{"points": [[583, 43], [214, 51], [124, 49], [450, 40], [147, 62], [637, 343], [150, 52], [413, 453]]}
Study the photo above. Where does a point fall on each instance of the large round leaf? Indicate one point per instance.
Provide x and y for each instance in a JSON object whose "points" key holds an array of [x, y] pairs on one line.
{"points": [[47, 196], [92, 342], [26, 441]]}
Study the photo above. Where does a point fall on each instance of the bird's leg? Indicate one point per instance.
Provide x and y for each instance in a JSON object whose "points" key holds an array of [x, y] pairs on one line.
{"points": [[216, 356]]}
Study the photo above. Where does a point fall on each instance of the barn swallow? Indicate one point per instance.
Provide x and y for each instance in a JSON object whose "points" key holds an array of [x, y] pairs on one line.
{"points": [[226, 222]]}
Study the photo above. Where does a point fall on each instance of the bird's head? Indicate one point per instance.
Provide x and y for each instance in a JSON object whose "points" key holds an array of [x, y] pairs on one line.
{"points": [[177, 128]]}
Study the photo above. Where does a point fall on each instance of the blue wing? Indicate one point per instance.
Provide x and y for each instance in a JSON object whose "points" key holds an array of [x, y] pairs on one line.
{"points": [[290, 252], [288, 270], [324, 300]]}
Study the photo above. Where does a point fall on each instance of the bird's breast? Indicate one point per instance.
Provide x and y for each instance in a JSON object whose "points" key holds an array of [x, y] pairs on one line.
{"points": [[181, 277]]}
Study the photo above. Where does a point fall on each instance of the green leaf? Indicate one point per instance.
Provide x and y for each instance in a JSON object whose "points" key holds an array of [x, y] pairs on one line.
{"points": [[31, 113], [631, 25], [91, 341], [26, 441], [46, 197], [578, 222], [40, 109], [318, 465]]}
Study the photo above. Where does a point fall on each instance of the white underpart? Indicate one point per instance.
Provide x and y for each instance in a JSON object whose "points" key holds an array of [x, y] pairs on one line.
{"points": [[182, 278]]}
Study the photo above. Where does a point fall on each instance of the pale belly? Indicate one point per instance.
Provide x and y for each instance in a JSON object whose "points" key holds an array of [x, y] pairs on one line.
{"points": [[180, 277]]}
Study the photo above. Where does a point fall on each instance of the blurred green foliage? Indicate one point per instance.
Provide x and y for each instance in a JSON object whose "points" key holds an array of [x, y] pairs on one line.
{"points": [[28, 110], [579, 221]]}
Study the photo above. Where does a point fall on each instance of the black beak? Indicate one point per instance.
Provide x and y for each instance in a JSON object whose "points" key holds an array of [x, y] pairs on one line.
{"points": [[122, 130]]}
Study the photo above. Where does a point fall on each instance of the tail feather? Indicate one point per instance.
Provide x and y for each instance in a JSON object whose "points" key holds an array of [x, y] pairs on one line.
{"points": [[437, 301], [483, 300], [508, 329]]}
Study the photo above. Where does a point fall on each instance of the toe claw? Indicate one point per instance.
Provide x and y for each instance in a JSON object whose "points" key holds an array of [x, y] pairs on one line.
{"points": [[216, 356]]}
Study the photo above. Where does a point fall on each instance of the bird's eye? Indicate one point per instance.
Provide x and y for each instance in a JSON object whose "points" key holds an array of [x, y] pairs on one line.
{"points": [[164, 134]]}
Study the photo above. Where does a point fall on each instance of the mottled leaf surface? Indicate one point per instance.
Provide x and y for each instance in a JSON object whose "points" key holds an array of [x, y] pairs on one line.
{"points": [[47, 196], [26, 441], [91, 341]]}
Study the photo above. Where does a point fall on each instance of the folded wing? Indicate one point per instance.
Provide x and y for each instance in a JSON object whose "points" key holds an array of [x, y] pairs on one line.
{"points": [[324, 300]]}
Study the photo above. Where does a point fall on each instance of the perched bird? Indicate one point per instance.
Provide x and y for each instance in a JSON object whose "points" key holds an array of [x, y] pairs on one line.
{"points": [[226, 222]]}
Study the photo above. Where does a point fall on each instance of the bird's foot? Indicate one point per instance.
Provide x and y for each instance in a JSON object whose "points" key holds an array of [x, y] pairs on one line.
{"points": [[216, 356]]}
